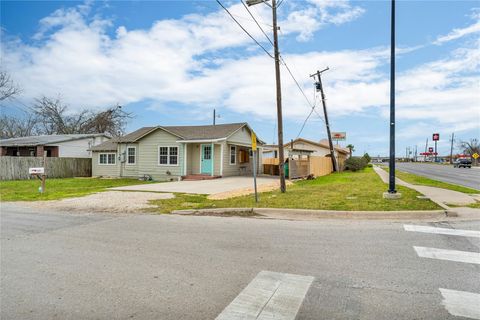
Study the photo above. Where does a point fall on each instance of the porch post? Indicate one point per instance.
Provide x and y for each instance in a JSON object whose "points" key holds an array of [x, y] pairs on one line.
{"points": [[213, 160], [221, 159], [185, 148]]}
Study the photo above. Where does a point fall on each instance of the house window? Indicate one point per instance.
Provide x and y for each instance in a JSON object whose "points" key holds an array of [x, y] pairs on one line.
{"points": [[131, 155], [107, 158], [168, 156], [244, 156], [233, 155], [207, 152]]}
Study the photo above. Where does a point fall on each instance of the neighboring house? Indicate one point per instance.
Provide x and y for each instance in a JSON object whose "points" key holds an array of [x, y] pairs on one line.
{"points": [[320, 149], [61, 145], [172, 152]]}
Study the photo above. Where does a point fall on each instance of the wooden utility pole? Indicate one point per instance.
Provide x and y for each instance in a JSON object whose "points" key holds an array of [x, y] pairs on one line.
{"points": [[214, 116], [281, 157], [319, 87], [451, 147]]}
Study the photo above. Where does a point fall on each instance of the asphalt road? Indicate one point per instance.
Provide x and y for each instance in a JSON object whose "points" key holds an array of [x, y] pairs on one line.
{"points": [[64, 266], [446, 173]]}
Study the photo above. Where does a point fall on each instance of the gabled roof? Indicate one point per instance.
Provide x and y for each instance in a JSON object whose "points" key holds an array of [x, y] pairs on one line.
{"points": [[207, 132], [46, 139], [321, 143], [218, 131]]}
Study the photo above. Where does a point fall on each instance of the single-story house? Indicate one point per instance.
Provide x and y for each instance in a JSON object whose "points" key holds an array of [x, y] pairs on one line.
{"points": [[58, 145], [319, 149], [173, 152]]}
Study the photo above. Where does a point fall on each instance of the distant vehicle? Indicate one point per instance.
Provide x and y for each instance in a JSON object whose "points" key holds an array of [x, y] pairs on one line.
{"points": [[462, 163]]}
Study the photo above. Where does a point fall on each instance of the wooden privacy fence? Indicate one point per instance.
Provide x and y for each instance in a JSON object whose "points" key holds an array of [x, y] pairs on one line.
{"points": [[16, 168], [320, 166]]}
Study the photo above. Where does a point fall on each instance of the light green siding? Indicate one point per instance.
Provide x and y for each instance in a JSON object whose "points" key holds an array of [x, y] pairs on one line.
{"points": [[126, 169], [194, 158], [242, 136], [104, 170], [148, 162]]}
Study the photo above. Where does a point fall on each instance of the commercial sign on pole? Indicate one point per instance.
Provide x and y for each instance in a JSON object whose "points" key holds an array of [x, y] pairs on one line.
{"points": [[339, 136], [436, 137], [430, 149]]}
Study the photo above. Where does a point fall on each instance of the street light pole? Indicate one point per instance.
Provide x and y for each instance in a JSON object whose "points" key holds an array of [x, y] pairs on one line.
{"points": [[391, 180]]}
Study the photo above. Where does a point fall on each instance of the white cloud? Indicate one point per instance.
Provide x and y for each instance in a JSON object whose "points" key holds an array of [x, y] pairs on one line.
{"points": [[460, 32], [191, 61]]}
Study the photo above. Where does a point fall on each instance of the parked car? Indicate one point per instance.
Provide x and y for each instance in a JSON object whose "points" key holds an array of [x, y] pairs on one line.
{"points": [[462, 163]]}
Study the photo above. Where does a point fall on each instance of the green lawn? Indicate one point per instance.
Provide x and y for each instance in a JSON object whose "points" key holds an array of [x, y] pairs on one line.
{"points": [[340, 191], [419, 180], [27, 190]]}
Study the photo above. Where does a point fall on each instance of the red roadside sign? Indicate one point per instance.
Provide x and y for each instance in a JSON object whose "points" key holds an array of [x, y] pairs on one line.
{"points": [[436, 137]]}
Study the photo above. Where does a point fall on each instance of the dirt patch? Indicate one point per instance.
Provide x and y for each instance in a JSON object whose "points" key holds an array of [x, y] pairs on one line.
{"points": [[109, 202], [246, 191]]}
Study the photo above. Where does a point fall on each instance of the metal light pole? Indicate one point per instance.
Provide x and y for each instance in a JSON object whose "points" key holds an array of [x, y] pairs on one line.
{"points": [[391, 180]]}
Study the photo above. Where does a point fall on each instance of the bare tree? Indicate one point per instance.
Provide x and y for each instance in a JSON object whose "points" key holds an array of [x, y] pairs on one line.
{"points": [[7, 87], [18, 126], [470, 147], [54, 118]]}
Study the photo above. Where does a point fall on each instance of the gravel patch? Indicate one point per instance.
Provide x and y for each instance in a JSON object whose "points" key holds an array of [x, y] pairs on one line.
{"points": [[109, 202]]}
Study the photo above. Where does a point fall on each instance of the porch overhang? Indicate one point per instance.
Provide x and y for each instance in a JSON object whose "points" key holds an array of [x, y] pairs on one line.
{"points": [[202, 140]]}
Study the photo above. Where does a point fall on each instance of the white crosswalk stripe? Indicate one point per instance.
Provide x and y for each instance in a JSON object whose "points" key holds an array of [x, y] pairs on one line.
{"points": [[461, 303], [270, 295], [457, 303], [445, 231], [451, 255]]}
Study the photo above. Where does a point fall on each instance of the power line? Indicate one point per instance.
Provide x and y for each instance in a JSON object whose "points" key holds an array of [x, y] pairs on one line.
{"points": [[309, 115], [300, 88], [245, 30], [251, 15]]}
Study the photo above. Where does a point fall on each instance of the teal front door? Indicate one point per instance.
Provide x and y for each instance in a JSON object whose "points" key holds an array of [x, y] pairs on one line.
{"points": [[206, 159]]}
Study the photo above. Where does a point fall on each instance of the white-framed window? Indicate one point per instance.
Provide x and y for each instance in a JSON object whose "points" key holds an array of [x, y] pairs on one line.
{"points": [[233, 155], [107, 158], [168, 156], [131, 155]]}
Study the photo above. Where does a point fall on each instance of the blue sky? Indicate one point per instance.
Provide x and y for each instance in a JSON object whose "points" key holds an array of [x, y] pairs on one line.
{"points": [[172, 62]]}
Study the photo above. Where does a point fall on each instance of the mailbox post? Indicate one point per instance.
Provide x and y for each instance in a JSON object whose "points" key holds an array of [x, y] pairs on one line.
{"points": [[40, 174]]}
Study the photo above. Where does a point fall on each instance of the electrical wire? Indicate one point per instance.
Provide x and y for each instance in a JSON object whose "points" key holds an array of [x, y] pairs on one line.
{"points": [[251, 15], [245, 30], [300, 88]]}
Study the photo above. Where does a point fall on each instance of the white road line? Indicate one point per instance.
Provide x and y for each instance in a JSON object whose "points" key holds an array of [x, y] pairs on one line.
{"points": [[452, 255], [270, 295], [450, 232], [461, 303]]}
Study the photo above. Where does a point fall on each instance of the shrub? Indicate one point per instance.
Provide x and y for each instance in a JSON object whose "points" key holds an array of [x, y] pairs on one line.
{"points": [[367, 157], [355, 163]]}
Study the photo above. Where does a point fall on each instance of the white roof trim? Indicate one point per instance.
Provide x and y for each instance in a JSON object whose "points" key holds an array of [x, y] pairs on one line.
{"points": [[201, 140]]}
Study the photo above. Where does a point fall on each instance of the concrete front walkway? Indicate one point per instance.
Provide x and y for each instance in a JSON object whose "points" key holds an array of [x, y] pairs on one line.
{"points": [[214, 186], [437, 195]]}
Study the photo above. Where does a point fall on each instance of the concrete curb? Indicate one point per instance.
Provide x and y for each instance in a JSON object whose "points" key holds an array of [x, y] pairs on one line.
{"points": [[308, 214]]}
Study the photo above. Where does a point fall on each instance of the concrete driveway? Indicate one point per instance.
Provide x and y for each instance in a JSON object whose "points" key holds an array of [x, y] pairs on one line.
{"points": [[222, 185]]}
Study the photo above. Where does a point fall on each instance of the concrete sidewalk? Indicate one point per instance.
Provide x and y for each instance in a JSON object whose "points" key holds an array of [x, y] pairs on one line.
{"points": [[438, 195], [215, 186]]}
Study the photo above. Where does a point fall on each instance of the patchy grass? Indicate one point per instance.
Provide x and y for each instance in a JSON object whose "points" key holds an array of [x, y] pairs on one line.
{"points": [[475, 205], [27, 190], [419, 180], [362, 191]]}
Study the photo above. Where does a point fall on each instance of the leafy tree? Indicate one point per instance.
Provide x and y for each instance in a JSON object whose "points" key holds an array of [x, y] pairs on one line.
{"points": [[351, 147], [367, 157]]}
